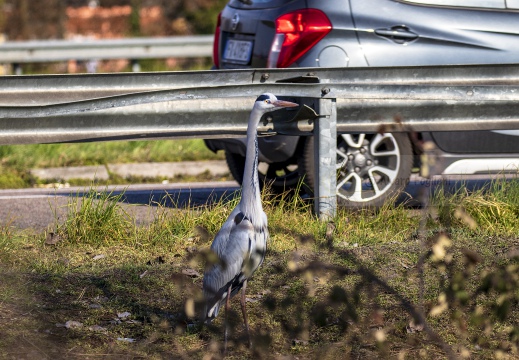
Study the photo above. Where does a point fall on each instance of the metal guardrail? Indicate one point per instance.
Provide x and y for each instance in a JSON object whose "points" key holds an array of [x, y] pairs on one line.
{"points": [[53, 89], [63, 108], [66, 108], [86, 49]]}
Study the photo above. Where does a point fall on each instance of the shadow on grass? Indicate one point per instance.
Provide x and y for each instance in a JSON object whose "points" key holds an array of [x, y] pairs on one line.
{"points": [[317, 301]]}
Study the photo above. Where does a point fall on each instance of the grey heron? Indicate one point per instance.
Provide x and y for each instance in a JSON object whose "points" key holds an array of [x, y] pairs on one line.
{"points": [[241, 243]]}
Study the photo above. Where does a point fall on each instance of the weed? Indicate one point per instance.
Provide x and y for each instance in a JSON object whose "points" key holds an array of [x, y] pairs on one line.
{"points": [[96, 218]]}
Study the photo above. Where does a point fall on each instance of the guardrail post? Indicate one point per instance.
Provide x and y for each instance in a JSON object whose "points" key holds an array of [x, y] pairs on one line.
{"points": [[17, 69], [325, 159], [136, 66]]}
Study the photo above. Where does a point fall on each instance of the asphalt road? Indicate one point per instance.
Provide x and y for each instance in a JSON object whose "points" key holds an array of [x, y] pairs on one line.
{"points": [[40, 209]]}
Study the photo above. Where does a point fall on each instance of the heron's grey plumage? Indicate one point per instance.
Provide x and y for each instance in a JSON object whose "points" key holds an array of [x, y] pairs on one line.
{"points": [[241, 243]]}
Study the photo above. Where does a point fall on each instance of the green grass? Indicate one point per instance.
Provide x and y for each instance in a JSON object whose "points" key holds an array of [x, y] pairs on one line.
{"points": [[97, 219], [348, 293], [57, 155], [17, 160], [494, 209]]}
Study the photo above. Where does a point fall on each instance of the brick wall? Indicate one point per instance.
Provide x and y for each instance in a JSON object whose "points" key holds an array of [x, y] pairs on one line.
{"points": [[110, 23]]}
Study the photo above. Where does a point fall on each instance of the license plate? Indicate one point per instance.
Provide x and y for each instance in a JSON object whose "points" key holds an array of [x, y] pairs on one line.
{"points": [[238, 50]]}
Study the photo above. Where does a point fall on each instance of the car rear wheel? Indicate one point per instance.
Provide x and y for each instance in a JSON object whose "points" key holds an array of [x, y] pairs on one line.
{"points": [[371, 168], [281, 176]]}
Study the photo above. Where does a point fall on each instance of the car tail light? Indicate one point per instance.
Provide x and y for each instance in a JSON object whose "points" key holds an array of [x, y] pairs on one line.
{"points": [[216, 41], [296, 33]]}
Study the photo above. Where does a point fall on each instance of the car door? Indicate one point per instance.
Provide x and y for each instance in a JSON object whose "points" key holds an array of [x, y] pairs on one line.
{"points": [[416, 32], [406, 33]]}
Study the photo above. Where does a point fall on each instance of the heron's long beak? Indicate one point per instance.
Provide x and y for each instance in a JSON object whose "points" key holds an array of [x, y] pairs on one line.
{"points": [[282, 103]]}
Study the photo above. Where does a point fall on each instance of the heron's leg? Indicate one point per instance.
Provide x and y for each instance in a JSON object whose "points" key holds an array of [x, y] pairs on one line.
{"points": [[226, 324], [244, 311]]}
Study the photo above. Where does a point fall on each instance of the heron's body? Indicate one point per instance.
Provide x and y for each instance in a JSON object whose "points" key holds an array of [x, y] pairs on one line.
{"points": [[241, 251], [241, 243]]}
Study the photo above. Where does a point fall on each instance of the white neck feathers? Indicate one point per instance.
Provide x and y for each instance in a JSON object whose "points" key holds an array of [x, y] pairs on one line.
{"points": [[250, 203]]}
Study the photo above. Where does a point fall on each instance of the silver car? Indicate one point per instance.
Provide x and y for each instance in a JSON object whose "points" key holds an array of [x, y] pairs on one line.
{"points": [[360, 33]]}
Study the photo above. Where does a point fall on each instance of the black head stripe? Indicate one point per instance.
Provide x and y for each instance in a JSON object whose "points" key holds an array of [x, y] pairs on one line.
{"points": [[263, 97]]}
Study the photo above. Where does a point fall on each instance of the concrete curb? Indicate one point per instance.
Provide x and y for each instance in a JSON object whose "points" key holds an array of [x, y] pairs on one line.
{"points": [[101, 172]]}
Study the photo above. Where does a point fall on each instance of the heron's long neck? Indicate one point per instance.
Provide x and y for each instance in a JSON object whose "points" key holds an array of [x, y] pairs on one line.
{"points": [[250, 200]]}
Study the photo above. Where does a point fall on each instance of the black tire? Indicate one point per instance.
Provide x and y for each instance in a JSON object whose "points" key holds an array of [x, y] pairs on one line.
{"points": [[371, 168], [281, 177]]}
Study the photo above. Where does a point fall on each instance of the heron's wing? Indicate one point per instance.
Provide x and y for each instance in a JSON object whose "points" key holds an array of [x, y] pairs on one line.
{"points": [[231, 247]]}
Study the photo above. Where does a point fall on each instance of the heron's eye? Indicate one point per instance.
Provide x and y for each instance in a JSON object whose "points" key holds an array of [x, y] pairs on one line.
{"points": [[267, 101]]}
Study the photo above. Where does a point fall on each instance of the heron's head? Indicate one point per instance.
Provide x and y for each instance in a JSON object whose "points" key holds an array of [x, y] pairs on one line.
{"points": [[269, 102]]}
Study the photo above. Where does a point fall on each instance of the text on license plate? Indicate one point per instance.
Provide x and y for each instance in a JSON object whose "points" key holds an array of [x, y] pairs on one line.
{"points": [[238, 50]]}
